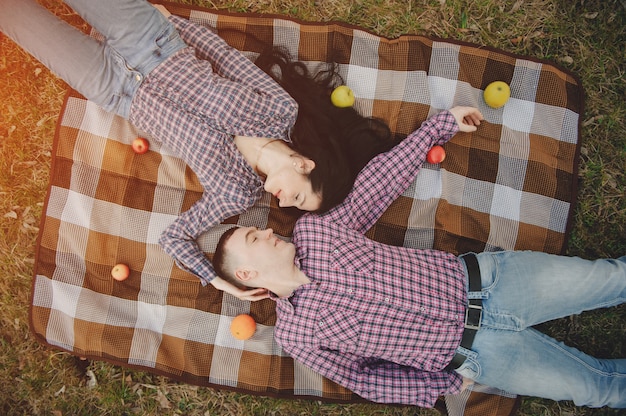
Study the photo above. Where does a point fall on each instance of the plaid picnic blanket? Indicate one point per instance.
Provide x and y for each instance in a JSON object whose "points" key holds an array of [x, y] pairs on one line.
{"points": [[509, 186]]}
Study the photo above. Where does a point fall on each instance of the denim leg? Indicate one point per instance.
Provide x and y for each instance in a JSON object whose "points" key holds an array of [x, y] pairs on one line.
{"points": [[70, 54], [95, 69], [531, 363], [133, 28], [522, 289]]}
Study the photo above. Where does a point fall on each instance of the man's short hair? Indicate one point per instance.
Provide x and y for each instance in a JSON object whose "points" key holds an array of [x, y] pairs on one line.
{"points": [[221, 264]]}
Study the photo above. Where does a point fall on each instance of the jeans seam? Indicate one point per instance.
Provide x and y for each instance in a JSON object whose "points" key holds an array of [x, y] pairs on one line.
{"points": [[540, 336]]}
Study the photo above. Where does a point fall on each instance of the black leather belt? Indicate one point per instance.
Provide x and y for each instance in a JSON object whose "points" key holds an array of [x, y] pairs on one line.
{"points": [[473, 313]]}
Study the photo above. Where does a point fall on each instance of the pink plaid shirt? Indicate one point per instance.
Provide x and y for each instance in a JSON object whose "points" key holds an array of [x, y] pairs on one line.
{"points": [[383, 321], [195, 103]]}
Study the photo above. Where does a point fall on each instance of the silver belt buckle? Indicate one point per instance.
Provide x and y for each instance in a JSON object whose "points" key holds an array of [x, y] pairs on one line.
{"points": [[473, 316]]}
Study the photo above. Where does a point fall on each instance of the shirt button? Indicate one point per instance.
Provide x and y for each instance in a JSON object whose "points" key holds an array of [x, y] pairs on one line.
{"points": [[387, 300], [349, 290], [336, 251], [138, 77]]}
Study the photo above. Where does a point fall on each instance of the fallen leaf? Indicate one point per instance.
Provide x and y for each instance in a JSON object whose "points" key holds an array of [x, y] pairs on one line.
{"points": [[27, 227], [590, 15], [60, 391], [11, 214], [137, 389], [163, 401], [592, 120], [516, 6], [610, 181], [92, 382]]}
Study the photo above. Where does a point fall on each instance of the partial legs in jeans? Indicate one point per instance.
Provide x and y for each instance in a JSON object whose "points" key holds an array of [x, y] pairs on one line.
{"points": [[531, 363], [139, 38], [524, 289], [533, 287], [131, 27], [69, 53]]}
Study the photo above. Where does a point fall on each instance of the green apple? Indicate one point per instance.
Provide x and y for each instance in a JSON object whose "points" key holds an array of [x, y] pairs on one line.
{"points": [[342, 96], [497, 94]]}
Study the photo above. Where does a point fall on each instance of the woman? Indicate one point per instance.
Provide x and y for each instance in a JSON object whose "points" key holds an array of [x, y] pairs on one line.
{"points": [[232, 123]]}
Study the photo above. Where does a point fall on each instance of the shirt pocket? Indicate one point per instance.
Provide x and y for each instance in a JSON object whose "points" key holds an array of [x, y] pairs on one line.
{"points": [[337, 330], [353, 256]]}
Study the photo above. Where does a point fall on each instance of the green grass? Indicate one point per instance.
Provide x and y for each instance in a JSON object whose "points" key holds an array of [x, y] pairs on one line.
{"points": [[586, 37]]}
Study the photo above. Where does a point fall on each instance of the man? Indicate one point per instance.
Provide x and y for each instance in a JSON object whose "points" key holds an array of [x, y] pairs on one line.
{"points": [[403, 325]]}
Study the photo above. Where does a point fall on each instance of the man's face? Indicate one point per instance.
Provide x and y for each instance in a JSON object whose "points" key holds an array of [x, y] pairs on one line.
{"points": [[260, 250]]}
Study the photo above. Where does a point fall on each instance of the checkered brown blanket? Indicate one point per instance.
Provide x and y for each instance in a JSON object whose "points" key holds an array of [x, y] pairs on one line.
{"points": [[509, 186]]}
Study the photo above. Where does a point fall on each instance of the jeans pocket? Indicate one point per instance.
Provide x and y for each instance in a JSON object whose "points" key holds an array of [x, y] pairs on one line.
{"points": [[168, 34], [470, 367]]}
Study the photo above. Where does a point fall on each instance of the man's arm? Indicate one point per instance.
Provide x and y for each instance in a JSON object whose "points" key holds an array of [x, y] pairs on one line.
{"points": [[388, 175], [380, 381]]}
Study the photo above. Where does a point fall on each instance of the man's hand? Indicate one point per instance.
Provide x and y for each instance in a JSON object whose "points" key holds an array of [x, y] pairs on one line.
{"points": [[467, 118], [467, 382], [251, 295]]}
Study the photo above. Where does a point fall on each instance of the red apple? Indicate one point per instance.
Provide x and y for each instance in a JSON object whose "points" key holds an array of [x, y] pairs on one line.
{"points": [[120, 272], [140, 145], [436, 155]]}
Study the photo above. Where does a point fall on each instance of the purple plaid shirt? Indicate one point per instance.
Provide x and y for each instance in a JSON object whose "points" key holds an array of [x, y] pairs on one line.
{"points": [[195, 103], [383, 321]]}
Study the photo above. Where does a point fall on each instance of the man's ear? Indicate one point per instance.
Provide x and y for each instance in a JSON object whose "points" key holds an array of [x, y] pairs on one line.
{"points": [[245, 275]]}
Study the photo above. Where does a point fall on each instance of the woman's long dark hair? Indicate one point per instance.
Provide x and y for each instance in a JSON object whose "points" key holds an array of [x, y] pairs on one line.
{"points": [[339, 140]]}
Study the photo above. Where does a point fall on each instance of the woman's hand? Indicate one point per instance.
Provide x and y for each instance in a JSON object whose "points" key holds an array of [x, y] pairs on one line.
{"points": [[162, 9], [251, 295], [468, 118]]}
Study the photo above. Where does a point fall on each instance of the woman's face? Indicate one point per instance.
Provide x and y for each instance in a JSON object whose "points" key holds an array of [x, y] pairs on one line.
{"points": [[291, 185]]}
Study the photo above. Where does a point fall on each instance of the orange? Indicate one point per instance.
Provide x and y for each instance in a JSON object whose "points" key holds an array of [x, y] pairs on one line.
{"points": [[243, 326], [120, 272]]}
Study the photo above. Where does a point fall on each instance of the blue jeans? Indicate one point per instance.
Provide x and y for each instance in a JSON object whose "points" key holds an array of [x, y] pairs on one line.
{"points": [[137, 39], [522, 289]]}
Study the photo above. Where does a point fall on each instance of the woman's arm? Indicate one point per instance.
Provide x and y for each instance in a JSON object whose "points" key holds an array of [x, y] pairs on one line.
{"points": [[388, 175], [179, 240], [227, 61]]}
